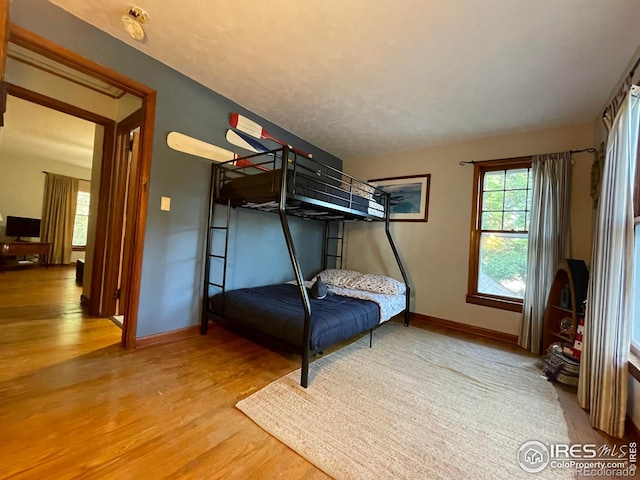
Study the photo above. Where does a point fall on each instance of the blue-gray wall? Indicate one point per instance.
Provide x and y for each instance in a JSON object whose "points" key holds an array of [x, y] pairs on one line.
{"points": [[170, 296]]}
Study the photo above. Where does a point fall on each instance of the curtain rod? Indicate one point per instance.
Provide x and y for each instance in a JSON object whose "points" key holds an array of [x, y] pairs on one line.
{"points": [[630, 79], [590, 150], [472, 162], [83, 179]]}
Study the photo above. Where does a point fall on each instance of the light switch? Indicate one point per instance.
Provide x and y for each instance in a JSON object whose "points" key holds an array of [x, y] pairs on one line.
{"points": [[165, 203]]}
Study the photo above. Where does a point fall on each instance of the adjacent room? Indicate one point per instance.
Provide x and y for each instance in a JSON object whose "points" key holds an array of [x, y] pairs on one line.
{"points": [[341, 240]]}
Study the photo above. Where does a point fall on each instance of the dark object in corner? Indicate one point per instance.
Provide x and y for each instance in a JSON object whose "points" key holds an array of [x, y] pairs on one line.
{"points": [[319, 289], [565, 296], [3, 102], [79, 270], [560, 367]]}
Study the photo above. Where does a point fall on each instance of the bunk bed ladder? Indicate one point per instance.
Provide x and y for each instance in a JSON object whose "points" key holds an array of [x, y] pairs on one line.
{"points": [[339, 237], [396, 254], [211, 228]]}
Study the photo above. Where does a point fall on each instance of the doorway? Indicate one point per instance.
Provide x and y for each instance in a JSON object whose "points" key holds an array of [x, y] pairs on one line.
{"points": [[126, 269], [37, 140]]}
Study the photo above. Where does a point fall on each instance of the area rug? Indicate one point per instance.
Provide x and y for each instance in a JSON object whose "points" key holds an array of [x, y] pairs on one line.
{"points": [[418, 405]]}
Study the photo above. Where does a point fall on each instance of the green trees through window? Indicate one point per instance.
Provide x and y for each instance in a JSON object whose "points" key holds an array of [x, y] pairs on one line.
{"points": [[506, 206], [502, 212]]}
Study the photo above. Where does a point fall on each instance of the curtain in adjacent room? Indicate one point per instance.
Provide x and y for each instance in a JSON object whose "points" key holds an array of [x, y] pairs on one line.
{"points": [[58, 215], [548, 240], [602, 388]]}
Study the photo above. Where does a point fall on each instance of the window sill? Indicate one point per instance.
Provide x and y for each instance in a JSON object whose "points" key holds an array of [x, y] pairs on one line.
{"points": [[634, 366], [81, 248], [634, 362], [495, 302]]}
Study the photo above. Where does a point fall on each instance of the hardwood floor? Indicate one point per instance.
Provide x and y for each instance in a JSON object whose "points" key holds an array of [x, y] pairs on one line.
{"points": [[73, 404]]}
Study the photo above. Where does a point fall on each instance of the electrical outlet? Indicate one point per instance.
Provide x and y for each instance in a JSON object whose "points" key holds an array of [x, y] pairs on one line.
{"points": [[165, 204]]}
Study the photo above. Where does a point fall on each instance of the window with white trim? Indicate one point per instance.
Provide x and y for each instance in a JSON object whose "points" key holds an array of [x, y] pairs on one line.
{"points": [[81, 221]]}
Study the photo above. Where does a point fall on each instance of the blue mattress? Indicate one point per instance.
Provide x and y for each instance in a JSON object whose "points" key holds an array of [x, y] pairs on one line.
{"points": [[277, 311], [264, 187]]}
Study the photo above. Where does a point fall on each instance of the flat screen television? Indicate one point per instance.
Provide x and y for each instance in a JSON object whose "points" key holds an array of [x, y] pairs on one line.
{"points": [[22, 227]]}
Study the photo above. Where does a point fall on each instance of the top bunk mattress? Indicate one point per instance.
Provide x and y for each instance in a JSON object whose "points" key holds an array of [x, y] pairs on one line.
{"points": [[265, 187]]}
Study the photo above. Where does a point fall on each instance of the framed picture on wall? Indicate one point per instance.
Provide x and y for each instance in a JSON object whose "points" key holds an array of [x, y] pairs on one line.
{"points": [[409, 196]]}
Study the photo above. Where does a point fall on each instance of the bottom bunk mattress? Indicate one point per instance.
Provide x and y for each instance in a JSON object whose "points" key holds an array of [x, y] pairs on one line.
{"points": [[277, 311]]}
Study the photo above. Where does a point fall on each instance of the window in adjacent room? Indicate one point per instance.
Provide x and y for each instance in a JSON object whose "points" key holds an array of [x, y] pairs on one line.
{"points": [[81, 222], [499, 233]]}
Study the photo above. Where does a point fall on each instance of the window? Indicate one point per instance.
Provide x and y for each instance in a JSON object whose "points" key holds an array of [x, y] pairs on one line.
{"points": [[81, 222], [499, 233], [635, 326]]}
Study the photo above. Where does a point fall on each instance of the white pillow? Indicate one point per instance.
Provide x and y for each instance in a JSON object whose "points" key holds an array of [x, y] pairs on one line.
{"points": [[362, 281], [364, 190], [379, 284], [339, 278]]}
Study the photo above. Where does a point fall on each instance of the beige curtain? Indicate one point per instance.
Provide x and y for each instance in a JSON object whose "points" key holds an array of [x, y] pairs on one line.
{"points": [[614, 107], [548, 240], [602, 388], [58, 215]]}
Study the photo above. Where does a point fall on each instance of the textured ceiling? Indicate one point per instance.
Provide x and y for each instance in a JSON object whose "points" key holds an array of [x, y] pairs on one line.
{"points": [[361, 77], [33, 131]]}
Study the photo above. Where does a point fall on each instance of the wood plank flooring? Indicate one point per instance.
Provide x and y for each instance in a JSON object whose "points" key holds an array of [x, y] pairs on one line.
{"points": [[74, 405]]}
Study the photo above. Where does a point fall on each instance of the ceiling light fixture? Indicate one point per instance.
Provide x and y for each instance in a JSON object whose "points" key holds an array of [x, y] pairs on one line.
{"points": [[132, 22]]}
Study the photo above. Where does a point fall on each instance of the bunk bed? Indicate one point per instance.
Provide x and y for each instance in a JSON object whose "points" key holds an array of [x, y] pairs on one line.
{"points": [[283, 182]]}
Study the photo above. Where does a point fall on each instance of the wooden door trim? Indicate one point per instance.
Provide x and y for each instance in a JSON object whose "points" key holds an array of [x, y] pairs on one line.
{"points": [[4, 35], [55, 104], [49, 49], [114, 225], [43, 46], [99, 243], [119, 182], [131, 212], [140, 223]]}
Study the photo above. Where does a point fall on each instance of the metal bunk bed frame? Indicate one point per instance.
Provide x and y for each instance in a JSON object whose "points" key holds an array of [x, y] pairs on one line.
{"points": [[284, 153]]}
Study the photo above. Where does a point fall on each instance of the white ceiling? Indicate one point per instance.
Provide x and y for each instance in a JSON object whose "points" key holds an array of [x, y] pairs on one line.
{"points": [[360, 77], [32, 131]]}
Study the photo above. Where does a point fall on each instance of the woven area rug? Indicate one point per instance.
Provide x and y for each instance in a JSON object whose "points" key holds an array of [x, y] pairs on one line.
{"points": [[418, 405]]}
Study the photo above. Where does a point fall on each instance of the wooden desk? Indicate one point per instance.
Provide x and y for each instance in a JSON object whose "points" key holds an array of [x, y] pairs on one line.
{"points": [[16, 249]]}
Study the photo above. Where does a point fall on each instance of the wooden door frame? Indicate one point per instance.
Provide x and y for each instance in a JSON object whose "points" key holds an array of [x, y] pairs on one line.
{"points": [[132, 194], [120, 185], [4, 35], [55, 104], [49, 49]]}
